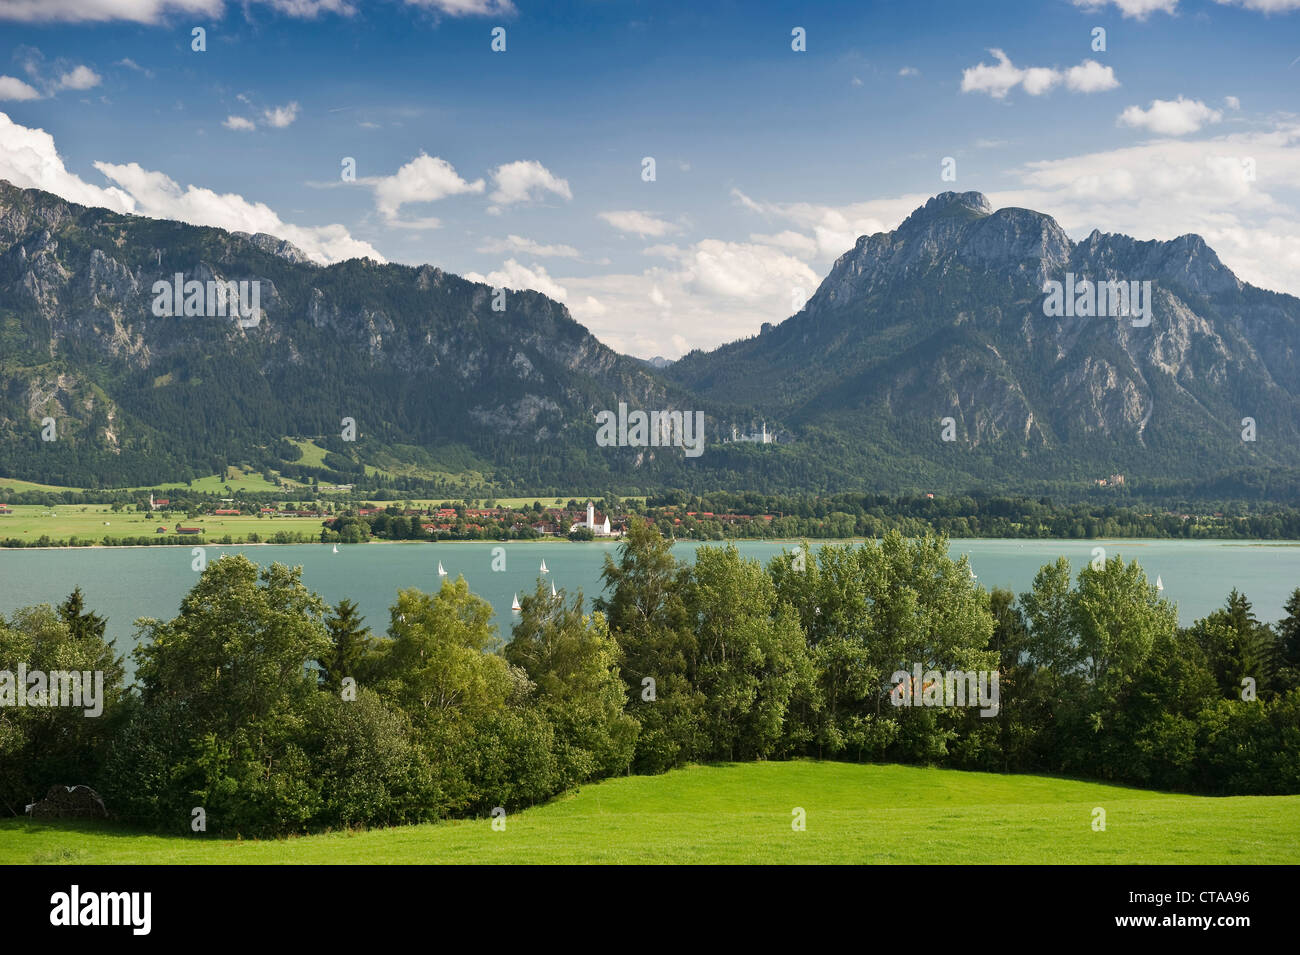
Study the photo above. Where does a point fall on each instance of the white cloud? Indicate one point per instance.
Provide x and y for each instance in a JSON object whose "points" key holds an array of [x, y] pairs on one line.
{"points": [[997, 79], [638, 223], [1037, 80], [29, 159], [589, 307], [155, 11], [131, 64], [1137, 9], [423, 179], [1232, 102], [13, 88], [514, 243], [157, 195], [281, 116], [516, 276], [1141, 9], [909, 71], [832, 230], [1000, 78], [708, 293], [794, 242], [1170, 187], [1170, 117], [311, 9], [1264, 6], [277, 117], [525, 180], [466, 8], [80, 78], [1090, 77]]}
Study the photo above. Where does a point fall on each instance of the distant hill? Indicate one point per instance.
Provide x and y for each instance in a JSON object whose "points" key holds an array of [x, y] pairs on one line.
{"points": [[447, 384], [436, 380], [944, 318]]}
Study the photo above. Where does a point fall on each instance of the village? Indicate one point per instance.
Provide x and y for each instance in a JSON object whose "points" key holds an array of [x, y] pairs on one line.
{"points": [[407, 520]]}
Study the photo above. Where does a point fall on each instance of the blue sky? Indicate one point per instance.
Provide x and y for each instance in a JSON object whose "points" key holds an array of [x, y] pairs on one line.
{"points": [[524, 167]]}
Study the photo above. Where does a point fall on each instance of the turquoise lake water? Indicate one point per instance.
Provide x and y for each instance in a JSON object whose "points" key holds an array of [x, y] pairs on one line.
{"points": [[128, 582]]}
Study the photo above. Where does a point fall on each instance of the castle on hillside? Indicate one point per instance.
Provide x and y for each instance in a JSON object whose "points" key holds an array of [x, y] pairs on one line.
{"points": [[762, 436]]}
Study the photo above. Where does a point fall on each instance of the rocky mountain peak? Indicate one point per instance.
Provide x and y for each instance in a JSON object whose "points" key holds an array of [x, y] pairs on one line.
{"points": [[277, 246], [960, 205]]}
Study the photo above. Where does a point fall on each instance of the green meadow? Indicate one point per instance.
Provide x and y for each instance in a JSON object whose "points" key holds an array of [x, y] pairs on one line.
{"points": [[743, 813], [94, 522]]}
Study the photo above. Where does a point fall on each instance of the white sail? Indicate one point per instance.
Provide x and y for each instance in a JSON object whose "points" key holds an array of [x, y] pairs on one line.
{"points": [[553, 594], [1160, 584], [544, 570], [515, 606], [441, 572], [336, 548]]}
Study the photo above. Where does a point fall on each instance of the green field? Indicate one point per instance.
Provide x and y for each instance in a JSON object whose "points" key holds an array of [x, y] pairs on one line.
{"points": [[94, 522], [743, 812], [236, 479]]}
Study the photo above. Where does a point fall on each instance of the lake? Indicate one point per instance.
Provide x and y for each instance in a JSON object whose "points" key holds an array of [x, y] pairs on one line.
{"points": [[124, 583]]}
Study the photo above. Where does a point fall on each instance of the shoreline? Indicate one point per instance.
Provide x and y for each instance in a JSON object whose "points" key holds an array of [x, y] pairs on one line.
{"points": [[1238, 541]]}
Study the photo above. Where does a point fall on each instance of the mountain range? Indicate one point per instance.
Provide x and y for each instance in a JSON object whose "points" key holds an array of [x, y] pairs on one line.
{"points": [[925, 361]]}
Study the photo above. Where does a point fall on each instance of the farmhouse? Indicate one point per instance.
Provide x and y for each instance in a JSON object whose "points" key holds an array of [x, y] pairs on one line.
{"points": [[182, 529]]}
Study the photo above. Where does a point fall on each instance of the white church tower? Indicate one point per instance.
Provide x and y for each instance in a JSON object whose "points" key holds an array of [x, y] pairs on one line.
{"points": [[598, 530]]}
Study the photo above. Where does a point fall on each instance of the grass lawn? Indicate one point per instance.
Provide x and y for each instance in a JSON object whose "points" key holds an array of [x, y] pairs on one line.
{"points": [[743, 812]]}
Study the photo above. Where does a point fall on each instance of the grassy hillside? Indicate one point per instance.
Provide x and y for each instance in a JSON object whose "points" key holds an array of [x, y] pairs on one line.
{"points": [[742, 813]]}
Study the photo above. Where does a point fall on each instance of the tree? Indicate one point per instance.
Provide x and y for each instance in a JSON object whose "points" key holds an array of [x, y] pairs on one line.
{"points": [[81, 625], [750, 656], [350, 644], [224, 692], [1117, 615], [647, 617], [239, 646], [1237, 646], [572, 660], [43, 745], [1010, 642], [1288, 630], [437, 661]]}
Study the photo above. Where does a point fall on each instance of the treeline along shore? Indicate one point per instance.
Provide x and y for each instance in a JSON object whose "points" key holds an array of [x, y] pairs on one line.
{"points": [[77, 519], [274, 713]]}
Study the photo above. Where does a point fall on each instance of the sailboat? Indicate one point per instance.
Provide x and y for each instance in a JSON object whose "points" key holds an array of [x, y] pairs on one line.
{"points": [[972, 573], [441, 572], [553, 593], [544, 570], [515, 606], [1160, 584], [336, 548]]}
